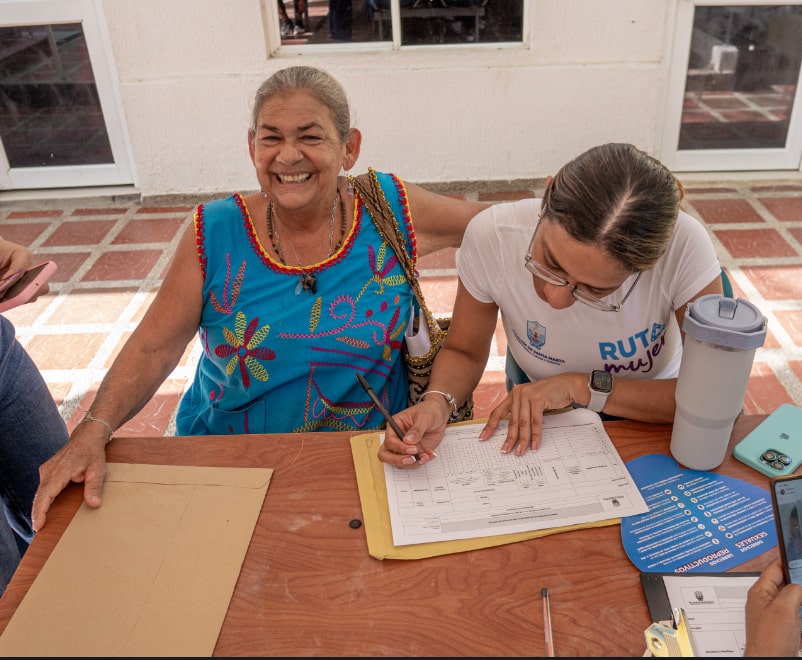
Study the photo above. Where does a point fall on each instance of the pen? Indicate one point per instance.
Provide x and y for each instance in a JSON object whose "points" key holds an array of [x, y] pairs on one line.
{"points": [[547, 623], [383, 410]]}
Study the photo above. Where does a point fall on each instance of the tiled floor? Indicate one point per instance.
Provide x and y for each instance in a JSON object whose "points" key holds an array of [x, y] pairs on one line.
{"points": [[112, 257]]}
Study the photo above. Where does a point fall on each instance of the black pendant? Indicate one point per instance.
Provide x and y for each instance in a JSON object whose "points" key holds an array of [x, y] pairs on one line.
{"points": [[308, 283]]}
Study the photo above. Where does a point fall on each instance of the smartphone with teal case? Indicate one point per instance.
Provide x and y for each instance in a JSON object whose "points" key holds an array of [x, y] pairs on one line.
{"points": [[774, 447]]}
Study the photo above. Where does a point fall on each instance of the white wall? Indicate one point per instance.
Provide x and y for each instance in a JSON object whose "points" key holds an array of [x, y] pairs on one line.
{"points": [[594, 73]]}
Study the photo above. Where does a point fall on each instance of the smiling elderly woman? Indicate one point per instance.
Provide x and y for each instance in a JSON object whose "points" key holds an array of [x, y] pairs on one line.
{"points": [[291, 290]]}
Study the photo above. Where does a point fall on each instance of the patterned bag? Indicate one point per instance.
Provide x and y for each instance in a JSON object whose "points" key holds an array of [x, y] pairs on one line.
{"points": [[419, 366]]}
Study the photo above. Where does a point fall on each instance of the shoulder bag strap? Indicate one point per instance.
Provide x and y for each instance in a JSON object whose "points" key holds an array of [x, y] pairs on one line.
{"points": [[369, 189]]}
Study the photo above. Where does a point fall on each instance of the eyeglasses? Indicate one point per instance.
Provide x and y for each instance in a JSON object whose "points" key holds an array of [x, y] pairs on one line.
{"points": [[539, 270]]}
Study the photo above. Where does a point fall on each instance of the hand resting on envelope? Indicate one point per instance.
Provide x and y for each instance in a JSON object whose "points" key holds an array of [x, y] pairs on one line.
{"points": [[83, 459]]}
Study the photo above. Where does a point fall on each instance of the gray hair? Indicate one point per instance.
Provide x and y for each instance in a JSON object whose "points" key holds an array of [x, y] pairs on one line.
{"points": [[619, 198], [316, 81]]}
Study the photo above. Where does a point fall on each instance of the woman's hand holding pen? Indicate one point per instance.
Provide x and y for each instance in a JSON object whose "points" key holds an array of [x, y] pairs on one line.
{"points": [[423, 426]]}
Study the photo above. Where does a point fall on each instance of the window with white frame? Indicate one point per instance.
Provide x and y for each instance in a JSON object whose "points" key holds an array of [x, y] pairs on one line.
{"points": [[401, 22]]}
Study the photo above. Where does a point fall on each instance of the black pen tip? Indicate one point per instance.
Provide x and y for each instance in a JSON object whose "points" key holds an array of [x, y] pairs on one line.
{"points": [[544, 592]]}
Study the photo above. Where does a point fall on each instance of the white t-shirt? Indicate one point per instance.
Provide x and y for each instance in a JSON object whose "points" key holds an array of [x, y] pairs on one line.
{"points": [[642, 340]]}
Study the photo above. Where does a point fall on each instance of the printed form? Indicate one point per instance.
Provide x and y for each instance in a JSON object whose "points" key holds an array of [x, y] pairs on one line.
{"points": [[472, 490], [714, 611]]}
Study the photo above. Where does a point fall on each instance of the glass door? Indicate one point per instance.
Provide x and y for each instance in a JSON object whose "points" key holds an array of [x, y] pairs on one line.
{"points": [[60, 115], [734, 94]]}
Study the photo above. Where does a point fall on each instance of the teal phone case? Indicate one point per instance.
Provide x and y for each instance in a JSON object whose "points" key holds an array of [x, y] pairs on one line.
{"points": [[774, 447]]}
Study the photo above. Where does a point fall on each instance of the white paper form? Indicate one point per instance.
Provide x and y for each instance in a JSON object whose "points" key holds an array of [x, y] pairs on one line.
{"points": [[714, 611], [472, 490]]}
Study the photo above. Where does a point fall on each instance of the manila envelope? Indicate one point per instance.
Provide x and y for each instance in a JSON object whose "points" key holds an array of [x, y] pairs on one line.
{"points": [[149, 573]]}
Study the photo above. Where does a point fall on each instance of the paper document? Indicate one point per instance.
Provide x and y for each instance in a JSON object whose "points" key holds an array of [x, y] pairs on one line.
{"points": [[713, 604], [473, 490]]}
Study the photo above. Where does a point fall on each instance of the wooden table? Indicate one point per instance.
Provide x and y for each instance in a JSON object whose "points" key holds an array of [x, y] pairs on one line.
{"points": [[308, 586]]}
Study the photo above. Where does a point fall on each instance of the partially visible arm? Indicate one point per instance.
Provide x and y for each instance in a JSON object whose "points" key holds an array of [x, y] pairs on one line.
{"points": [[457, 369], [439, 220], [715, 286], [14, 259], [772, 615], [148, 357], [644, 400]]}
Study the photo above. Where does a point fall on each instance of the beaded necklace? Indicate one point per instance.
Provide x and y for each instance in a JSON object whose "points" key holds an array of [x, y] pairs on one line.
{"points": [[307, 282]]}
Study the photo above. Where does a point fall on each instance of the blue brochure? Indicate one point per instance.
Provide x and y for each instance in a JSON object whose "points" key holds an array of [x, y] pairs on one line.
{"points": [[697, 521]]}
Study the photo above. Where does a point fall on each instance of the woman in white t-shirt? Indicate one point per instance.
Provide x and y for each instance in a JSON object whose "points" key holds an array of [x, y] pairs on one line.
{"points": [[591, 282]]}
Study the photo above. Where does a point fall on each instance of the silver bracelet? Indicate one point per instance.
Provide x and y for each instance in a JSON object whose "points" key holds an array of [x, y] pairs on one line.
{"points": [[450, 399], [89, 417]]}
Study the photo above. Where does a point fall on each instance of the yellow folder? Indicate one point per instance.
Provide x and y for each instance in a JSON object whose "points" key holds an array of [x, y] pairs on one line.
{"points": [[376, 511]]}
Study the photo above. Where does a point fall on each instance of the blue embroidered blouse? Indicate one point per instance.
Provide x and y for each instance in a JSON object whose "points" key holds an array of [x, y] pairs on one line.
{"points": [[279, 359]]}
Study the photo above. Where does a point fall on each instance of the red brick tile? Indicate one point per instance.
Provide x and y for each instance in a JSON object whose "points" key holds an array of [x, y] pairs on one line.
{"points": [[737, 116], [155, 230], [796, 232], [21, 215], [152, 420], [501, 339], [771, 340], [68, 264], [165, 209], [143, 307], [790, 187], [764, 392], [106, 211], [748, 243], [490, 392], [67, 351], [93, 306], [796, 367], [506, 196], [122, 265], [786, 209], [440, 260], [791, 321], [726, 210], [59, 391], [776, 282], [79, 232], [722, 102], [24, 234], [440, 293], [704, 190], [27, 314]]}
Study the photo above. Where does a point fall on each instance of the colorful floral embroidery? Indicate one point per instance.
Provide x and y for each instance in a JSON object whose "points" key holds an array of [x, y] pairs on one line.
{"points": [[243, 347], [230, 289]]}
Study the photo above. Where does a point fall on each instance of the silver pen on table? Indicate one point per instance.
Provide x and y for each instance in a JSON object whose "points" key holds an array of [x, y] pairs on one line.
{"points": [[544, 593]]}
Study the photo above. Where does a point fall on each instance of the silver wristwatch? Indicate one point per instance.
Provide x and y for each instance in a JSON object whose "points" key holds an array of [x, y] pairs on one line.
{"points": [[600, 385]]}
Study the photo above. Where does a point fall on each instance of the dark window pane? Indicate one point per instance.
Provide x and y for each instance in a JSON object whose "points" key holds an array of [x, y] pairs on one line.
{"points": [[742, 75], [50, 113], [422, 21]]}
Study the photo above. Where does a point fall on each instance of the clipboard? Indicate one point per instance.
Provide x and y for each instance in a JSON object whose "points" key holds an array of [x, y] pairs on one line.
{"points": [[655, 590], [376, 516]]}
